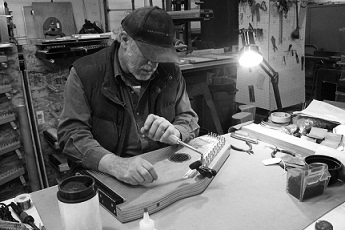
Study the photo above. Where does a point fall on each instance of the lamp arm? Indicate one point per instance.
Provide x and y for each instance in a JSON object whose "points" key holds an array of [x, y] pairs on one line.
{"points": [[274, 76]]}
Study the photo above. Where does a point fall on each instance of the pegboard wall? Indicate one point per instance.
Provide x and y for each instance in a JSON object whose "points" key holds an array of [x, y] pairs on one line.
{"points": [[273, 23]]}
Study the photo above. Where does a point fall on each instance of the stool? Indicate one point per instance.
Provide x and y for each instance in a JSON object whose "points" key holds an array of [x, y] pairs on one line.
{"points": [[241, 117], [248, 108], [202, 89]]}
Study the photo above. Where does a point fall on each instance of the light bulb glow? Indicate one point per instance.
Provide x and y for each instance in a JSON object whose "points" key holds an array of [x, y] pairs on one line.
{"points": [[250, 58]]}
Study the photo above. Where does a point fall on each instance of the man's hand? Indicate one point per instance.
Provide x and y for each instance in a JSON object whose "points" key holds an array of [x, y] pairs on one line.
{"points": [[133, 170], [159, 129]]}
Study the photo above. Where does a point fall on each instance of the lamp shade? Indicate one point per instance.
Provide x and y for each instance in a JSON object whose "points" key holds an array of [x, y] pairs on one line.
{"points": [[250, 56]]}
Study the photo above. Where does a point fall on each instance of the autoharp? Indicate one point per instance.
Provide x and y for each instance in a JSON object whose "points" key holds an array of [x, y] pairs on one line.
{"points": [[175, 179]]}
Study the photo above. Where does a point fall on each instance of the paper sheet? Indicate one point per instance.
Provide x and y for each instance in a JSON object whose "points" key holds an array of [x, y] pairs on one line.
{"points": [[323, 110]]}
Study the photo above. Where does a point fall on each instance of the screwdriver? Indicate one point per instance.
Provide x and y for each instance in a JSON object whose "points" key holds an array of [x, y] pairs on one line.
{"points": [[173, 138], [178, 141], [23, 216]]}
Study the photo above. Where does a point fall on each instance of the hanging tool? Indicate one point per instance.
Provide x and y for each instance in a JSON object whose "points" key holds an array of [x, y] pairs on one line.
{"points": [[302, 62], [283, 7], [263, 6], [280, 27], [23, 216], [304, 3], [273, 40], [295, 33], [289, 49]]}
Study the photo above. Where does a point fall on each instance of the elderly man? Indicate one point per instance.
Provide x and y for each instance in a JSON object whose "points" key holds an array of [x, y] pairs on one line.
{"points": [[127, 99]]}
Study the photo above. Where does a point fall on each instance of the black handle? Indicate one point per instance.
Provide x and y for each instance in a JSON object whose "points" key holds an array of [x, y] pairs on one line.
{"points": [[23, 216]]}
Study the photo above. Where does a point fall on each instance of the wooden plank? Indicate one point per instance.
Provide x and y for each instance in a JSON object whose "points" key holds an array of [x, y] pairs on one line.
{"points": [[63, 11], [280, 139]]}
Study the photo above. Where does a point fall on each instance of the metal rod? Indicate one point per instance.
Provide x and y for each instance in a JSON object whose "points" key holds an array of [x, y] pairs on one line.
{"points": [[274, 80], [190, 147]]}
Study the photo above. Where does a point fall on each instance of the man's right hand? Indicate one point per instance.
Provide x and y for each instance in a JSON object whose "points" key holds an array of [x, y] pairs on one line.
{"points": [[133, 170]]}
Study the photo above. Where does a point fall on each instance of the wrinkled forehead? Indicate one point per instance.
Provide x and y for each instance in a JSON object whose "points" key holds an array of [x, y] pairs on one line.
{"points": [[134, 48]]}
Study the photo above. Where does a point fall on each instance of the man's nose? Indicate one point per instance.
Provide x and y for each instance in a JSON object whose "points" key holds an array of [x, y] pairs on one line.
{"points": [[152, 63]]}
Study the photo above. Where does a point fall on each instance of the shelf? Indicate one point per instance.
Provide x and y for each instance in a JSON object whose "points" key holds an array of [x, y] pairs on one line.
{"points": [[191, 15], [43, 54], [5, 89], [10, 169], [57, 49], [11, 165], [6, 112], [6, 45], [6, 118], [9, 139], [9, 146]]}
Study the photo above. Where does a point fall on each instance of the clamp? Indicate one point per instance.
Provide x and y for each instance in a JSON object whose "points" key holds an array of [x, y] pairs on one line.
{"points": [[276, 149], [202, 169]]}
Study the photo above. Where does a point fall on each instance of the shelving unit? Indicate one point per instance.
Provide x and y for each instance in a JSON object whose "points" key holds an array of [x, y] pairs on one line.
{"points": [[11, 165], [183, 16], [71, 47]]}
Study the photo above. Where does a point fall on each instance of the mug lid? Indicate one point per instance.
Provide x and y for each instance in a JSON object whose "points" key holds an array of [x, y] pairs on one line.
{"points": [[76, 189]]}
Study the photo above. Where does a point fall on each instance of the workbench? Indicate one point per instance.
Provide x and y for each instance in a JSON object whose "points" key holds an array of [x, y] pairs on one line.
{"points": [[244, 194]]}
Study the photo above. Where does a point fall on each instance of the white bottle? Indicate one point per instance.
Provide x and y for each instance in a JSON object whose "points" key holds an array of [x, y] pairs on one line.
{"points": [[146, 223]]}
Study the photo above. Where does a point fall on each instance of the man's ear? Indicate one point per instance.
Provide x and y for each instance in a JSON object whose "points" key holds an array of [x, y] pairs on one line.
{"points": [[124, 38]]}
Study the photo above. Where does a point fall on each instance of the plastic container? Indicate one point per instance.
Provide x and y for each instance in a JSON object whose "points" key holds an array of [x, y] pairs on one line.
{"points": [[308, 182], [146, 223], [79, 204]]}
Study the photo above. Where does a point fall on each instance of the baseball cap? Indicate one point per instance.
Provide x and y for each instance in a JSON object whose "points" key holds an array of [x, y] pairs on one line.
{"points": [[153, 31]]}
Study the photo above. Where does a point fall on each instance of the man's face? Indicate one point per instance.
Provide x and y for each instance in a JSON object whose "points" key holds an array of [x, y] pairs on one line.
{"points": [[137, 64]]}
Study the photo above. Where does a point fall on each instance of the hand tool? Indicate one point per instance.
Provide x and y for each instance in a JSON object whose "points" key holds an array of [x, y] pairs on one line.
{"points": [[203, 170], [276, 149], [178, 141], [273, 40], [249, 151], [289, 49], [9, 225], [280, 27], [23, 216], [239, 126], [244, 138]]}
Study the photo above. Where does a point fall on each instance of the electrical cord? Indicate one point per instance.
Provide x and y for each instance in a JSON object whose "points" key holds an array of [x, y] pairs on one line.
{"points": [[5, 213]]}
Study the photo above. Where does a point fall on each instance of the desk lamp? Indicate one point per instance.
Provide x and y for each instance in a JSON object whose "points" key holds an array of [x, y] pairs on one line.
{"points": [[250, 56]]}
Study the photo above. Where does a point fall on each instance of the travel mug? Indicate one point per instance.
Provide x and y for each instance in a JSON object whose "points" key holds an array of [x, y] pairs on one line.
{"points": [[79, 203]]}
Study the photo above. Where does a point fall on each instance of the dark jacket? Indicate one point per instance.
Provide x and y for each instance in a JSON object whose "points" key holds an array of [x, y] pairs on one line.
{"points": [[88, 137]]}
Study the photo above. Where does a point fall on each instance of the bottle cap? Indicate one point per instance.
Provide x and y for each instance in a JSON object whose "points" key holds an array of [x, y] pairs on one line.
{"points": [[76, 189]]}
